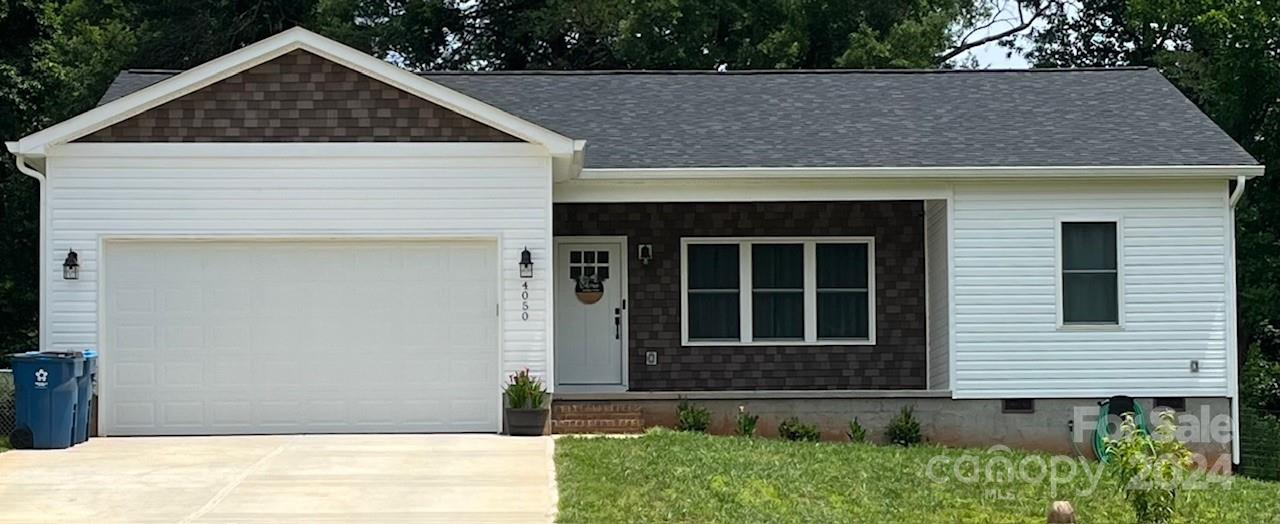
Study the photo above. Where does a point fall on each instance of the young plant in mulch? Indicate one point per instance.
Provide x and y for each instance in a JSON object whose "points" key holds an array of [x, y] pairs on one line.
{"points": [[690, 417], [1150, 468], [856, 432], [904, 429], [793, 429], [746, 424]]}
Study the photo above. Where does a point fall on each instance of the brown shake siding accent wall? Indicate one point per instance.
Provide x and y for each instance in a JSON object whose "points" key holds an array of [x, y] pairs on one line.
{"points": [[897, 361], [299, 97]]}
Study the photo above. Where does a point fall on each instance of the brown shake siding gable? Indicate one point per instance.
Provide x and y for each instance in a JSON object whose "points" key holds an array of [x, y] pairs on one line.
{"points": [[896, 361], [299, 97]]}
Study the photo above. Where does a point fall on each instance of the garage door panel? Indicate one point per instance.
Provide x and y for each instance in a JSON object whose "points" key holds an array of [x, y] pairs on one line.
{"points": [[134, 415], [292, 337]]}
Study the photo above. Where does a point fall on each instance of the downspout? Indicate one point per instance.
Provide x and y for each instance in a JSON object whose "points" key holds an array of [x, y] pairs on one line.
{"points": [[1234, 388], [1238, 191], [20, 162]]}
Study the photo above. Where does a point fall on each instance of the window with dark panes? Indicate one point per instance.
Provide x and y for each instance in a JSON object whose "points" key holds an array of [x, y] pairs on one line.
{"points": [[842, 288], [713, 292], [1090, 278], [777, 291]]}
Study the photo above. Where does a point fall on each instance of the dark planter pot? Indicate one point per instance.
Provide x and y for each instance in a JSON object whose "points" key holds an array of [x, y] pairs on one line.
{"points": [[526, 422]]}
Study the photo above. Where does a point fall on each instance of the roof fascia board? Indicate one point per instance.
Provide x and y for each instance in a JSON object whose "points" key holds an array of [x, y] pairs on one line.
{"points": [[989, 172], [272, 47], [296, 149]]}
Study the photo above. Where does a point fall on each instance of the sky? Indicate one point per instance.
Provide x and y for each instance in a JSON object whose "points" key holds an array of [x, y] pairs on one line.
{"points": [[992, 56]]}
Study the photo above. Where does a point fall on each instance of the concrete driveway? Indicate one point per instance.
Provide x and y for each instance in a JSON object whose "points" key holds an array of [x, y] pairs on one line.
{"points": [[314, 479]]}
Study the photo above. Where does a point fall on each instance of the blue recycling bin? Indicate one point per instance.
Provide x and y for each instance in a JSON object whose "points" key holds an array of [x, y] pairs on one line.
{"points": [[45, 391], [84, 395]]}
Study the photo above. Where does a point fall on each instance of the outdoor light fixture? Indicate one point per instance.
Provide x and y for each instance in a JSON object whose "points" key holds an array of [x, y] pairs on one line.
{"points": [[71, 266], [645, 253], [526, 264]]}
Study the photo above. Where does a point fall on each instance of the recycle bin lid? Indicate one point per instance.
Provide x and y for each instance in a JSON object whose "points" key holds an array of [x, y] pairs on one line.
{"points": [[47, 355], [89, 353]]}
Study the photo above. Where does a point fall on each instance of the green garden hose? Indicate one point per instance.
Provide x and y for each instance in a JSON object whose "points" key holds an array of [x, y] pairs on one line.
{"points": [[1105, 428]]}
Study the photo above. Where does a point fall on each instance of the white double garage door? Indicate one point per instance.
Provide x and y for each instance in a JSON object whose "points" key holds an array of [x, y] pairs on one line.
{"points": [[216, 337]]}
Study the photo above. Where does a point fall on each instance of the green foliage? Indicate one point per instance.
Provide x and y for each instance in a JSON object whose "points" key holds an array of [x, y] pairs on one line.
{"points": [[668, 476], [856, 432], [793, 429], [1260, 381], [58, 56], [1151, 468], [1259, 444], [904, 429], [746, 423], [524, 391], [1224, 56], [690, 417], [706, 34], [1259, 416]]}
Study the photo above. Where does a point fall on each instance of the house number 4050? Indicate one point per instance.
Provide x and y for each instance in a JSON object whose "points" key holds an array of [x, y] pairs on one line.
{"points": [[524, 301]]}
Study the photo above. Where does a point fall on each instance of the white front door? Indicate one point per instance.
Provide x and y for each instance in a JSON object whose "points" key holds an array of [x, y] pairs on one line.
{"points": [[590, 312]]}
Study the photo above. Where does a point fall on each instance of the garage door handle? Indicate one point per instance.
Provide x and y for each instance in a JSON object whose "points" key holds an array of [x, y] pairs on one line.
{"points": [[617, 323]]}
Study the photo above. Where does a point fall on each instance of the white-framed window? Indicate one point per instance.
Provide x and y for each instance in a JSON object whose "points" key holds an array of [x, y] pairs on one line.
{"points": [[772, 291], [1089, 278]]}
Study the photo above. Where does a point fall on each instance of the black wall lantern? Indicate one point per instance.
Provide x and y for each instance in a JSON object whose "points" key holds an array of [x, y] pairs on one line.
{"points": [[71, 266], [526, 264], [645, 253]]}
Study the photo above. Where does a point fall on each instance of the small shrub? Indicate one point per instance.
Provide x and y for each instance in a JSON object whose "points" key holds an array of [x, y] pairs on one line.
{"points": [[692, 418], [746, 426], [904, 429], [524, 391], [1150, 467], [856, 432], [793, 429]]}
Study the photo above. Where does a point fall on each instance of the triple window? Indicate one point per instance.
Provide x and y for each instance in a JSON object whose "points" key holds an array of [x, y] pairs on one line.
{"points": [[778, 291]]}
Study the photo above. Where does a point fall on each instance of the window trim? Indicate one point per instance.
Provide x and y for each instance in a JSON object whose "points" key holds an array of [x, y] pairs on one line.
{"points": [[745, 289], [1059, 277]]}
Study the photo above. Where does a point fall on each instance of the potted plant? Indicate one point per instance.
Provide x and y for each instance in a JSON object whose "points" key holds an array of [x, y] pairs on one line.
{"points": [[526, 417]]}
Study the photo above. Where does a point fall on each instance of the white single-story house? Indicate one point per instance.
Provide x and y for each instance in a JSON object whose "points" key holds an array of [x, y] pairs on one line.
{"points": [[297, 237]]}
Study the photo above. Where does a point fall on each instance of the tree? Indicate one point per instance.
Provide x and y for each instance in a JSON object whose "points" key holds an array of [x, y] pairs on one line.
{"points": [[56, 59], [735, 34], [23, 98], [58, 56], [1224, 55]]}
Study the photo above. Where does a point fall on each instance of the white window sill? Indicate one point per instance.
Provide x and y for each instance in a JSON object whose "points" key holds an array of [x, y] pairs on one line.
{"points": [[769, 343], [1090, 327]]}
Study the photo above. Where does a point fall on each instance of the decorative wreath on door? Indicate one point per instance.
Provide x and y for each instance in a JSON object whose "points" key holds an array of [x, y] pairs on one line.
{"points": [[589, 289]]}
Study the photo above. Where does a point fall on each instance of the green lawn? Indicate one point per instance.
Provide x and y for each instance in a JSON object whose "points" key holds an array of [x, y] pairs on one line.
{"points": [[4, 444], [682, 477]]}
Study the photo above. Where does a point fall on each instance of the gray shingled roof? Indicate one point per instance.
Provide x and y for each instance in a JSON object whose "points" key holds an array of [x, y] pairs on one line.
{"points": [[1117, 117]]}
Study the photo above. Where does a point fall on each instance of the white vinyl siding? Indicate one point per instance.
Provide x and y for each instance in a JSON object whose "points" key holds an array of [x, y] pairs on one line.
{"points": [[1173, 261], [935, 241], [310, 191]]}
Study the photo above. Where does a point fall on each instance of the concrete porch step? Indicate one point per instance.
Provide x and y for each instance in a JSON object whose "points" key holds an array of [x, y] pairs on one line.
{"points": [[622, 425], [596, 417], [583, 408]]}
